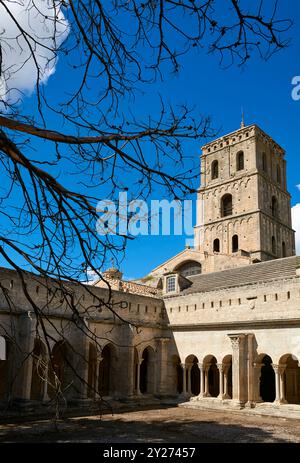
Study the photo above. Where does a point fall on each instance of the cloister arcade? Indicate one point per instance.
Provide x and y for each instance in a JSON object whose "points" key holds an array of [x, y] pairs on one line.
{"points": [[208, 377]]}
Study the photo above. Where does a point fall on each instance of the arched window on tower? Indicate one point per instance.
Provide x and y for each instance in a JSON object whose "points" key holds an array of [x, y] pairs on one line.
{"points": [[214, 170], [216, 245], [273, 245], [264, 162], [235, 243], [240, 160], [274, 207], [278, 174], [226, 205], [283, 249]]}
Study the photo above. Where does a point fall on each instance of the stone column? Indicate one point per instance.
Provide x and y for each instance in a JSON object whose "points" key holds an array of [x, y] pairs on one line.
{"points": [[206, 383], [189, 382], [183, 366], [23, 363], [162, 366], [202, 373], [138, 380], [221, 381], [226, 379], [239, 369], [276, 369], [256, 388], [98, 361], [250, 371], [282, 384]]}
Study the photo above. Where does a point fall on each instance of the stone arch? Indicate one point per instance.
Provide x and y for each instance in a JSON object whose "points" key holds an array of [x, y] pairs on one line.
{"points": [[147, 371], [107, 377], [267, 388], [188, 268], [212, 376], [290, 371], [39, 370], [61, 372]]}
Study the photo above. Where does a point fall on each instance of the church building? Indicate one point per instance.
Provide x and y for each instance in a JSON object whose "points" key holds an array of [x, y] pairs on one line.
{"points": [[217, 324]]}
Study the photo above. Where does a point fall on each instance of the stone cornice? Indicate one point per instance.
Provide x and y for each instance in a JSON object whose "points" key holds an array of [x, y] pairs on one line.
{"points": [[241, 324]]}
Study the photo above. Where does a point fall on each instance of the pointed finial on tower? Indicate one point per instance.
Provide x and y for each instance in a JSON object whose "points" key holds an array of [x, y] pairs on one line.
{"points": [[243, 119]]}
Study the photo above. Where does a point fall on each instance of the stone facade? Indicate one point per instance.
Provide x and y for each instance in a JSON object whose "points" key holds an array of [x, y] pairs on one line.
{"points": [[219, 323]]}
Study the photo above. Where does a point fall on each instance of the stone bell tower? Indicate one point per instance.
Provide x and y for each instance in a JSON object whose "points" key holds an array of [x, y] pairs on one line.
{"points": [[243, 205]]}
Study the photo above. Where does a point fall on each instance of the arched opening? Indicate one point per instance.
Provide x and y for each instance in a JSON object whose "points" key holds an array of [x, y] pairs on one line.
{"points": [[273, 245], [291, 379], [177, 375], [147, 371], [106, 377], [267, 380], [189, 268], [227, 374], [264, 162], [226, 205], [212, 376], [39, 371], [283, 251], [4, 368], [214, 170], [274, 207], [235, 243], [92, 371], [60, 371], [216, 245], [240, 160], [278, 174], [192, 375]]}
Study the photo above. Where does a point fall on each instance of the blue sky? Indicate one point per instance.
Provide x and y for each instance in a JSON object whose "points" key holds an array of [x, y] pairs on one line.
{"points": [[262, 88]]}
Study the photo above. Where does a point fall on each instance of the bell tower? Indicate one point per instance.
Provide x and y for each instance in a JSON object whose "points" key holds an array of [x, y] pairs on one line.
{"points": [[243, 206]]}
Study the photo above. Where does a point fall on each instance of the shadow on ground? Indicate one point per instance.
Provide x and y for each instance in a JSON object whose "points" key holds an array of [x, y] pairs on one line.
{"points": [[160, 426]]}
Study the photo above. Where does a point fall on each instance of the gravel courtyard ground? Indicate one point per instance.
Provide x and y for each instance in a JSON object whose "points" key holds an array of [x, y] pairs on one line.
{"points": [[167, 425]]}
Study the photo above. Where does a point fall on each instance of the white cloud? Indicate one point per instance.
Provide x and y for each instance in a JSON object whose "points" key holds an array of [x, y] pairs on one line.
{"points": [[36, 18], [296, 225], [298, 186]]}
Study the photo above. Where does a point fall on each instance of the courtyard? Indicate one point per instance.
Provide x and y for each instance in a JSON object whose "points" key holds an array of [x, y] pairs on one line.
{"points": [[164, 425]]}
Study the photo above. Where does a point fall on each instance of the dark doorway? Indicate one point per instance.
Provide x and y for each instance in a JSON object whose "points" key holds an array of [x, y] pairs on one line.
{"points": [[267, 380]]}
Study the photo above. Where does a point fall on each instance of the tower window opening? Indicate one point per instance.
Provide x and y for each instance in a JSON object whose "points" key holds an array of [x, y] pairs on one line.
{"points": [[235, 243], [274, 207], [216, 246], [240, 160], [214, 170], [226, 205]]}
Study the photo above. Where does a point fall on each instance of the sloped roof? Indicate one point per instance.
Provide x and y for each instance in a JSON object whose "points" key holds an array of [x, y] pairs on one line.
{"points": [[277, 269]]}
